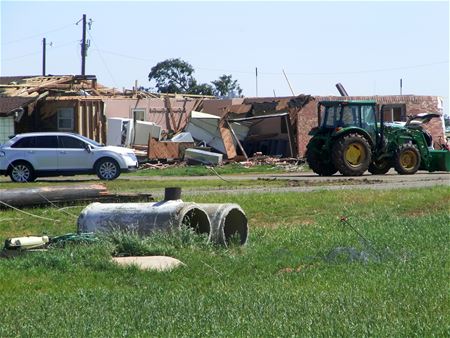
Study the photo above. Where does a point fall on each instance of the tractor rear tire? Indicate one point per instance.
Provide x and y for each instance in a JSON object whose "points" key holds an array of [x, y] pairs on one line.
{"points": [[380, 167], [318, 165], [407, 159], [352, 154]]}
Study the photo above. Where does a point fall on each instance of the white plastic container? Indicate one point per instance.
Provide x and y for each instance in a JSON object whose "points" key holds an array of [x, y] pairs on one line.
{"points": [[29, 242]]}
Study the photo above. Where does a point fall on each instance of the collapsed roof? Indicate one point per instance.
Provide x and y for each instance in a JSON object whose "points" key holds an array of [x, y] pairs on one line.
{"points": [[20, 91]]}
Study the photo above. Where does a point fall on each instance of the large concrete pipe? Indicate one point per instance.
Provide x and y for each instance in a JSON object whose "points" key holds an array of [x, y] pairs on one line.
{"points": [[227, 221], [143, 218]]}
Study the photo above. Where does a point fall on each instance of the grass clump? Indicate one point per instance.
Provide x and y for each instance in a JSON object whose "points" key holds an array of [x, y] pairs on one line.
{"points": [[158, 243]]}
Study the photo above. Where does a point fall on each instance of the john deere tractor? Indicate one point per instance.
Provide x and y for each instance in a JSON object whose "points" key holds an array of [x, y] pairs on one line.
{"points": [[351, 140]]}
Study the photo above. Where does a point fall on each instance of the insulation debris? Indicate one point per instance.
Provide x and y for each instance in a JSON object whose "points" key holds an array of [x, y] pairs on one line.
{"points": [[202, 156]]}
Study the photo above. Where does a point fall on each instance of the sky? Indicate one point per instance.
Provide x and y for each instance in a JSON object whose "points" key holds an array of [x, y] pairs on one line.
{"points": [[366, 46]]}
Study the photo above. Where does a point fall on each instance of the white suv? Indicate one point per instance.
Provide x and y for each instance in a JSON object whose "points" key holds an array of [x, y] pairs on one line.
{"points": [[28, 156]]}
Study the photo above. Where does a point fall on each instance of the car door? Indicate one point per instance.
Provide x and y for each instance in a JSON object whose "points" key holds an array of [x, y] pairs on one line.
{"points": [[73, 156], [43, 153]]}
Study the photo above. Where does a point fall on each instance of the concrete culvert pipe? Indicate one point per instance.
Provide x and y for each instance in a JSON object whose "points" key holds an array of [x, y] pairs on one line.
{"points": [[143, 218], [228, 221]]}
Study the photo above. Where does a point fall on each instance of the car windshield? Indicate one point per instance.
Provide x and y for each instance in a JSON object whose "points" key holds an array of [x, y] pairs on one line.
{"points": [[92, 142]]}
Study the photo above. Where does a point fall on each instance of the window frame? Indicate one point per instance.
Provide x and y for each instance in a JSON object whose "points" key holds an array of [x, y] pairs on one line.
{"points": [[138, 110], [59, 118]]}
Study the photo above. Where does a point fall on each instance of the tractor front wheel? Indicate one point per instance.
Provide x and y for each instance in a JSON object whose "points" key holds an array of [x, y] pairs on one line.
{"points": [[407, 159], [352, 154]]}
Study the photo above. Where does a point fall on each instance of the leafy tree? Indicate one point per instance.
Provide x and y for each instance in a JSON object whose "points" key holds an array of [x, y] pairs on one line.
{"points": [[176, 76], [172, 76], [201, 89], [226, 86]]}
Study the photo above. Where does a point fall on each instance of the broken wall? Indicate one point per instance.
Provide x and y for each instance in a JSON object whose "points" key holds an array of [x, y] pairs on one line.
{"points": [[219, 107], [173, 117], [88, 118]]}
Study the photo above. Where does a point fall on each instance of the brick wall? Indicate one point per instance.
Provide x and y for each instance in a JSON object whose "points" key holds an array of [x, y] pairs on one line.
{"points": [[307, 119]]}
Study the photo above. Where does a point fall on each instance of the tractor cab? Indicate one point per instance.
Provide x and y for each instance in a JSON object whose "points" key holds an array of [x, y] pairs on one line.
{"points": [[340, 116]]}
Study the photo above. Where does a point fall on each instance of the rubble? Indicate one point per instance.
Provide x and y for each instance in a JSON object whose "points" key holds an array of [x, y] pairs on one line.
{"points": [[202, 156]]}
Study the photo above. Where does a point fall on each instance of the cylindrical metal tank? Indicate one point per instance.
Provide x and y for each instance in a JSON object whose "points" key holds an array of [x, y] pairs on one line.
{"points": [[143, 218], [228, 222]]}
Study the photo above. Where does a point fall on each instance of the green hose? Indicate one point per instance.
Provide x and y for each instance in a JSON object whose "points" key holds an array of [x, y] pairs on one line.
{"points": [[82, 237]]}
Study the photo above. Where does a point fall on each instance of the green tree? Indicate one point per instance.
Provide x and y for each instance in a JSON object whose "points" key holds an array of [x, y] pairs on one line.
{"points": [[172, 76], [226, 86], [176, 76], [201, 89]]}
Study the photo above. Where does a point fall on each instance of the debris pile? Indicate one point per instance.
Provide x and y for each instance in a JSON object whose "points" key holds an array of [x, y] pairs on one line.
{"points": [[264, 128]]}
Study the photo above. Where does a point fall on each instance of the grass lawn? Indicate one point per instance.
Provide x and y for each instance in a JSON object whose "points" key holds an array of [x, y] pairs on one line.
{"points": [[290, 279]]}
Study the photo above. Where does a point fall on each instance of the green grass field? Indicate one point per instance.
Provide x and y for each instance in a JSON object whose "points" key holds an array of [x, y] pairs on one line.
{"points": [[200, 170], [289, 280]]}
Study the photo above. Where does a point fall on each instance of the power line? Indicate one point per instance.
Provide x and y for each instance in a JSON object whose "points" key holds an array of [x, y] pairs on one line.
{"points": [[37, 34], [22, 56], [102, 59], [295, 73], [53, 45], [125, 56], [376, 70]]}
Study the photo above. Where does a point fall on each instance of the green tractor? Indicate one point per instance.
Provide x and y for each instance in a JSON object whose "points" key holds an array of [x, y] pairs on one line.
{"points": [[349, 139]]}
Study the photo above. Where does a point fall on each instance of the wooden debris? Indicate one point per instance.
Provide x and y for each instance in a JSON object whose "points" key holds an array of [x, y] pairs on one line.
{"points": [[167, 149], [227, 138]]}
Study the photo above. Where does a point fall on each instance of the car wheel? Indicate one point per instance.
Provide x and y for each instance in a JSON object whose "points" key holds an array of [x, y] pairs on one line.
{"points": [[22, 172], [107, 169]]}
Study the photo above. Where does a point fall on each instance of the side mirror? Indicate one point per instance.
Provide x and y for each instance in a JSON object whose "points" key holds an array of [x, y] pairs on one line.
{"points": [[88, 147]]}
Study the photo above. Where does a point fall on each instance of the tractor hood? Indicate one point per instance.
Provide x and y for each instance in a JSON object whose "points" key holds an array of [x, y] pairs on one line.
{"points": [[421, 119]]}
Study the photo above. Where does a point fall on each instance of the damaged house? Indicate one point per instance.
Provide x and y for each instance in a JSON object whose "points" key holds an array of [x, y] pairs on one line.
{"points": [[78, 104], [52, 103], [238, 127]]}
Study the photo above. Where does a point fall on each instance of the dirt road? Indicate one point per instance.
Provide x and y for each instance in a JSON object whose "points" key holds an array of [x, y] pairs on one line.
{"points": [[300, 182], [305, 182]]}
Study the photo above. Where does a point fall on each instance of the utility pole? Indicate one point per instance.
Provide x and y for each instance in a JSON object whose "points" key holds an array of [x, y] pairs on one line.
{"points": [[256, 73], [44, 44], [84, 44], [83, 48], [401, 87], [288, 83]]}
